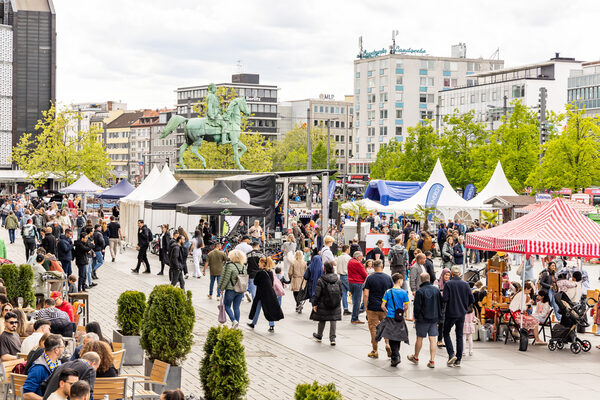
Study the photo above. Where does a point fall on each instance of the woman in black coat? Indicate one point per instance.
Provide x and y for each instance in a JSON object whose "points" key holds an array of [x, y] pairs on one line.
{"points": [[265, 297], [165, 241], [327, 303]]}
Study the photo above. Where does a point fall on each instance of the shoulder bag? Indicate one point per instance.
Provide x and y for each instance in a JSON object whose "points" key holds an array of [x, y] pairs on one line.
{"points": [[398, 312]]}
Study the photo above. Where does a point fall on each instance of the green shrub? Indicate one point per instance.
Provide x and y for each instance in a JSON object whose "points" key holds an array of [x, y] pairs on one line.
{"points": [[18, 281], [315, 391], [228, 376], [130, 312], [168, 324], [205, 365]]}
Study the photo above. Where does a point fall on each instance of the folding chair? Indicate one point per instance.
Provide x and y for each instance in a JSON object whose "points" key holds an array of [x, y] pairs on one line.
{"points": [[114, 388], [546, 324]]}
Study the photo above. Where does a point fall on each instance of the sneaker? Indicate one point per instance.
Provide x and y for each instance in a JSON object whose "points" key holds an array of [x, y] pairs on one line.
{"points": [[209, 296], [93, 284], [346, 312], [187, 276], [431, 364], [113, 260], [413, 359], [147, 272], [160, 273], [332, 342], [234, 325], [395, 361], [373, 354], [218, 298], [271, 329], [358, 322], [457, 363], [317, 338], [251, 325], [248, 297], [441, 344], [470, 354], [135, 271], [451, 361], [388, 350]]}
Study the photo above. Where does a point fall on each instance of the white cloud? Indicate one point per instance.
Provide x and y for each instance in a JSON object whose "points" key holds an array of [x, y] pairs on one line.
{"points": [[140, 52]]}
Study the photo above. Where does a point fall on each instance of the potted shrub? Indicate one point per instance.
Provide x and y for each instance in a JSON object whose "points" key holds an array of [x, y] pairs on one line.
{"points": [[315, 391], [18, 280], [130, 313], [167, 330], [223, 371]]}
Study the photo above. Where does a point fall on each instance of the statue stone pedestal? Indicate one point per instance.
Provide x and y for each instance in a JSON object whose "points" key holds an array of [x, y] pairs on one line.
{"points": [[202, 180]]}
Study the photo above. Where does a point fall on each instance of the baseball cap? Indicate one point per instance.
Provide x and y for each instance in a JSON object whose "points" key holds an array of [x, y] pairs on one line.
{"points": [[55, 295], [456, 270]]}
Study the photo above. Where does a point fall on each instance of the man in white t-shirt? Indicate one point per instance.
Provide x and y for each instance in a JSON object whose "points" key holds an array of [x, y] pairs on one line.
{"points": [[244, 245], [341, 263], [40, 326], [66, 378]]}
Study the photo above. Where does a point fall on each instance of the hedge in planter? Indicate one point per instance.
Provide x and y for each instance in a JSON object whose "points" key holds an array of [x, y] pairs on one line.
{"points": [[205, 366], [228, 376], [167, 325], [18, 281], [130, 312], [315, 391]]}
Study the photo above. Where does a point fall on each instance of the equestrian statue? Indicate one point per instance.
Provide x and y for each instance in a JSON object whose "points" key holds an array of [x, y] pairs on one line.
{"points": [[219, 126]]}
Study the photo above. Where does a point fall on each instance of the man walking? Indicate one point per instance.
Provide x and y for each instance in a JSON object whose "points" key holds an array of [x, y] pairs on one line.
{"points": [[144, 239], [64, 251], [82, 248], [114, 236], [429, 266], [416, 270], [398, 256], [215, 261], [253, 257], [342, 269], [176, 260], [427, 313], [458, 297], [376, 285], [28, 235], [356, 277], [99, 245]]}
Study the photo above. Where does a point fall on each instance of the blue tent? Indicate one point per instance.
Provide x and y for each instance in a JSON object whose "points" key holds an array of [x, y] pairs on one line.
{"points": [[386, 191], [120, 189]]}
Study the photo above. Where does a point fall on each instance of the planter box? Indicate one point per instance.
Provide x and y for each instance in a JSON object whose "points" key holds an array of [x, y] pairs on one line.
{"points": [[134, 354], [173, 378]]}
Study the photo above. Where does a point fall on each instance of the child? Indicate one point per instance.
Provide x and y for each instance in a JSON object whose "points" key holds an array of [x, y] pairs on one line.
{"points": [[307, 255], [72, 284], [280, 276], [505, 284], [469, 328]]}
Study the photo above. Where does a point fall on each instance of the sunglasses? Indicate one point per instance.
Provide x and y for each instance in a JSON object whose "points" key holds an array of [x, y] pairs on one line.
{"points": [[13, 322]]}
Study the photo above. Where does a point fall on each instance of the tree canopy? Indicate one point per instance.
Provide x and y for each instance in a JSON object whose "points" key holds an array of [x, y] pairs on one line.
{"points": [[289, 153]]}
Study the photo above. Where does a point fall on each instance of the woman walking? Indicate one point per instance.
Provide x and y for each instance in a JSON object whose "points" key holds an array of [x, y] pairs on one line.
{"points": [[327, 303], [265, 297], [296, 274], [312, 275], [197, 246], [234, 267], [287, 251]]}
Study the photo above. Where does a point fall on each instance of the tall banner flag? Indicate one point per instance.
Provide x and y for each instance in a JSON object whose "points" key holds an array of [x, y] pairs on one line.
{"points": [[469, 192], [331, 189], [434, 194]]}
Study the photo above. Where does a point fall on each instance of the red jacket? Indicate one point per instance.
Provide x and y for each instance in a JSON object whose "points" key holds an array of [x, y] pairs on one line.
{"points": [[356, 272], [68, 308]]}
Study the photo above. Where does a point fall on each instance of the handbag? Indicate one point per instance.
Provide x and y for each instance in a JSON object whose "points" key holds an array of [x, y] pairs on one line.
{"points": [[398, 312], [241, 285], [222, 318], [277, 286], [520, 269], [303, 292]]}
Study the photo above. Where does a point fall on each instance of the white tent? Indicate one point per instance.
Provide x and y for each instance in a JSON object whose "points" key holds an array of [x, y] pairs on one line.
{"points": [[497, 186], [367, 203], [450, 204], [132, 206]]}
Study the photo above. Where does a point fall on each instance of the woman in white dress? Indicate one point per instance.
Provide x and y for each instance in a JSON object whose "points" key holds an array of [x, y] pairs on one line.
{"points": [[197, 245], [287, 251]]}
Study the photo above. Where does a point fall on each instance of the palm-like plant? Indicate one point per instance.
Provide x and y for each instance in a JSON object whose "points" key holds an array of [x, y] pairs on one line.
{"points": [[422, 213], [358, 211], [491, 217]]}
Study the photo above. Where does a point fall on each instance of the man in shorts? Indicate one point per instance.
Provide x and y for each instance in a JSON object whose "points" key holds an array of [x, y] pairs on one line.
{"points": [[427, 312]]}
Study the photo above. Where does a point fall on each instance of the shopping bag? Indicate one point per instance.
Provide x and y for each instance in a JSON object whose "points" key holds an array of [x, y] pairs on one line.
{"points": [[222, 315]]}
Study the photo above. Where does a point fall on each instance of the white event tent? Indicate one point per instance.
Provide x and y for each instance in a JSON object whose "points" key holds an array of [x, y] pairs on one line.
{"points": [[154, 186], [498, 185]]}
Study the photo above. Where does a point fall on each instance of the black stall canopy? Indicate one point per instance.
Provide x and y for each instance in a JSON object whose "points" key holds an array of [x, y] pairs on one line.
{"points": [[261, 188], [220, 200], [180, 194]]}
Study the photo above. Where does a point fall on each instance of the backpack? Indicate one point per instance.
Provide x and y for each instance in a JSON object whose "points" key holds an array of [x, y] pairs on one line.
{"points": [[80, 221], [332, 295], [397, 258], [241, 285], [28, 232], [370, 255]]}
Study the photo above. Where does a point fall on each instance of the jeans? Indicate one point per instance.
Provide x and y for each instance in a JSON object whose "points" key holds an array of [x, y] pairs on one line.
{"points": [[356, 290], [233, 298], [213, 279], [66, 266], [551, 295], [97, 261], [321, 328], [251, 287], [11, 235], [4, 219], [459, 324], [257, 313], [82, 269], [89, 271], [177, 276], [345, 290]]}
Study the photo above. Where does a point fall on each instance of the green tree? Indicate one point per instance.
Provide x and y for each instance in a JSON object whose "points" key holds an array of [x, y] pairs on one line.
{"points": [[258, 157], [289, 154], [390, 160], [572, 158], [56, 148]]}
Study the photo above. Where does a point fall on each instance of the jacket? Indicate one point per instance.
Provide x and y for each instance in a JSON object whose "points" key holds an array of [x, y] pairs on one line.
{"points": [[176, 260], [428, 303], [98, 239], [356, 272], [458, 254], [430, 269], [447, 253], [81, 252], [253, 257], [144, 236], [296, 274], [49, 243], [397, 248], [458, 296], [64, 249], [546, 280], [37, 373], [86, 373], [11, 222], [229, 277], [324, 313], [312, 275], [265, 294], [415, 276]]}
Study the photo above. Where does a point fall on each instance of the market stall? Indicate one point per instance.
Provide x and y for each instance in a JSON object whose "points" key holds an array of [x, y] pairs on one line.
{"points": [[117, 191], [163, 209]]}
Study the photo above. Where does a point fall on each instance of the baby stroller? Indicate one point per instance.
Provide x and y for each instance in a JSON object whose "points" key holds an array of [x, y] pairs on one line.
{"points": [[566, 331]]}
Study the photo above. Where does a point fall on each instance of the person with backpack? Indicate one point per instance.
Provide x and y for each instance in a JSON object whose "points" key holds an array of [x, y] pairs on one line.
{"points": [[398, 255], [144, 239], [234, 283], [327, 303], [80, 223], [393, 327], [12, 224], [375, 287], [28, 233], [265, 297]]}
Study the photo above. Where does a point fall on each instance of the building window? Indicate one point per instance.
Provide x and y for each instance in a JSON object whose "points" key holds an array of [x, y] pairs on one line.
{"points": [[316, 109], [371, 132], [518, 91], [383, 97], [446, 82], [383, 131], [371, 148], [427, 64], [462, 100], [358, 74], [398, 131], [426, 114], [371, 98], [473, 67], [371, 82], [399, 79], [399, 114], [320, 108], [472, 98], [454, 82], [383, 114], [371, 114], [382, 71], [399, 63], [423, 98], [383, 63], [450, 66], [483, 97]]}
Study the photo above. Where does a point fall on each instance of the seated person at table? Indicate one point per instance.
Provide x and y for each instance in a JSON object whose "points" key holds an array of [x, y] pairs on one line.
{"points": [[88, 337], [40, 327], [10, 342], [59, 320], [575, 292], [95, 327], [564, 284], [63, 305], [80, 391], [106, 368], [542, 307], [43, 367], [86, 367], [67, 378], [520, 311], [36, 352], [25, 328]]}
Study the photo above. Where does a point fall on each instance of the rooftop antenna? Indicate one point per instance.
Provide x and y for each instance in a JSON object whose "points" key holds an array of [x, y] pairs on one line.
{"points": [[393, 46], [495, 56], [360, 46], [239, 66]]}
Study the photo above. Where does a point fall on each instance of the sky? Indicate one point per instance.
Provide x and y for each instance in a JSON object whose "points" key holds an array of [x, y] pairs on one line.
{"points": [[139, 52]]}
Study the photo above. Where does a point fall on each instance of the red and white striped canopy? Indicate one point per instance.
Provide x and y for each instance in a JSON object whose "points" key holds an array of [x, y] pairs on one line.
{"points": [[555, 229]]}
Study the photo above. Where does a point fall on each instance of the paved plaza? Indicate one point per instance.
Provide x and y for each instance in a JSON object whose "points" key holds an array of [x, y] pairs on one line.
{"points": [[278, 361]]}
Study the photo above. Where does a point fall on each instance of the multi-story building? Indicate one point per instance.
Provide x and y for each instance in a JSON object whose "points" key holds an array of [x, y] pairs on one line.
{"points": [[323, 111], [261, 99], [490, 94], [395, 91], [140, 144], [118, 133], [94, 112], [584, 88], [163, 150], [27, 68]]}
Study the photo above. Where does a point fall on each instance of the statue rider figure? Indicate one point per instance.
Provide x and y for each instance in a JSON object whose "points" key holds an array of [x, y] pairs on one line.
{"points": [[213, 113]]}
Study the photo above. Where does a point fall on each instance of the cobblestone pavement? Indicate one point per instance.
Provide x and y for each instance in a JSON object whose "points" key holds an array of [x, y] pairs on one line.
{"points": [[278, 361]]}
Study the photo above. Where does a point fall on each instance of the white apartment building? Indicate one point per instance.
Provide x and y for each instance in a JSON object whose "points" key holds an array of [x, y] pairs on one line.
{"points": [[395, 91], [584, 88], [490, 94]]}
